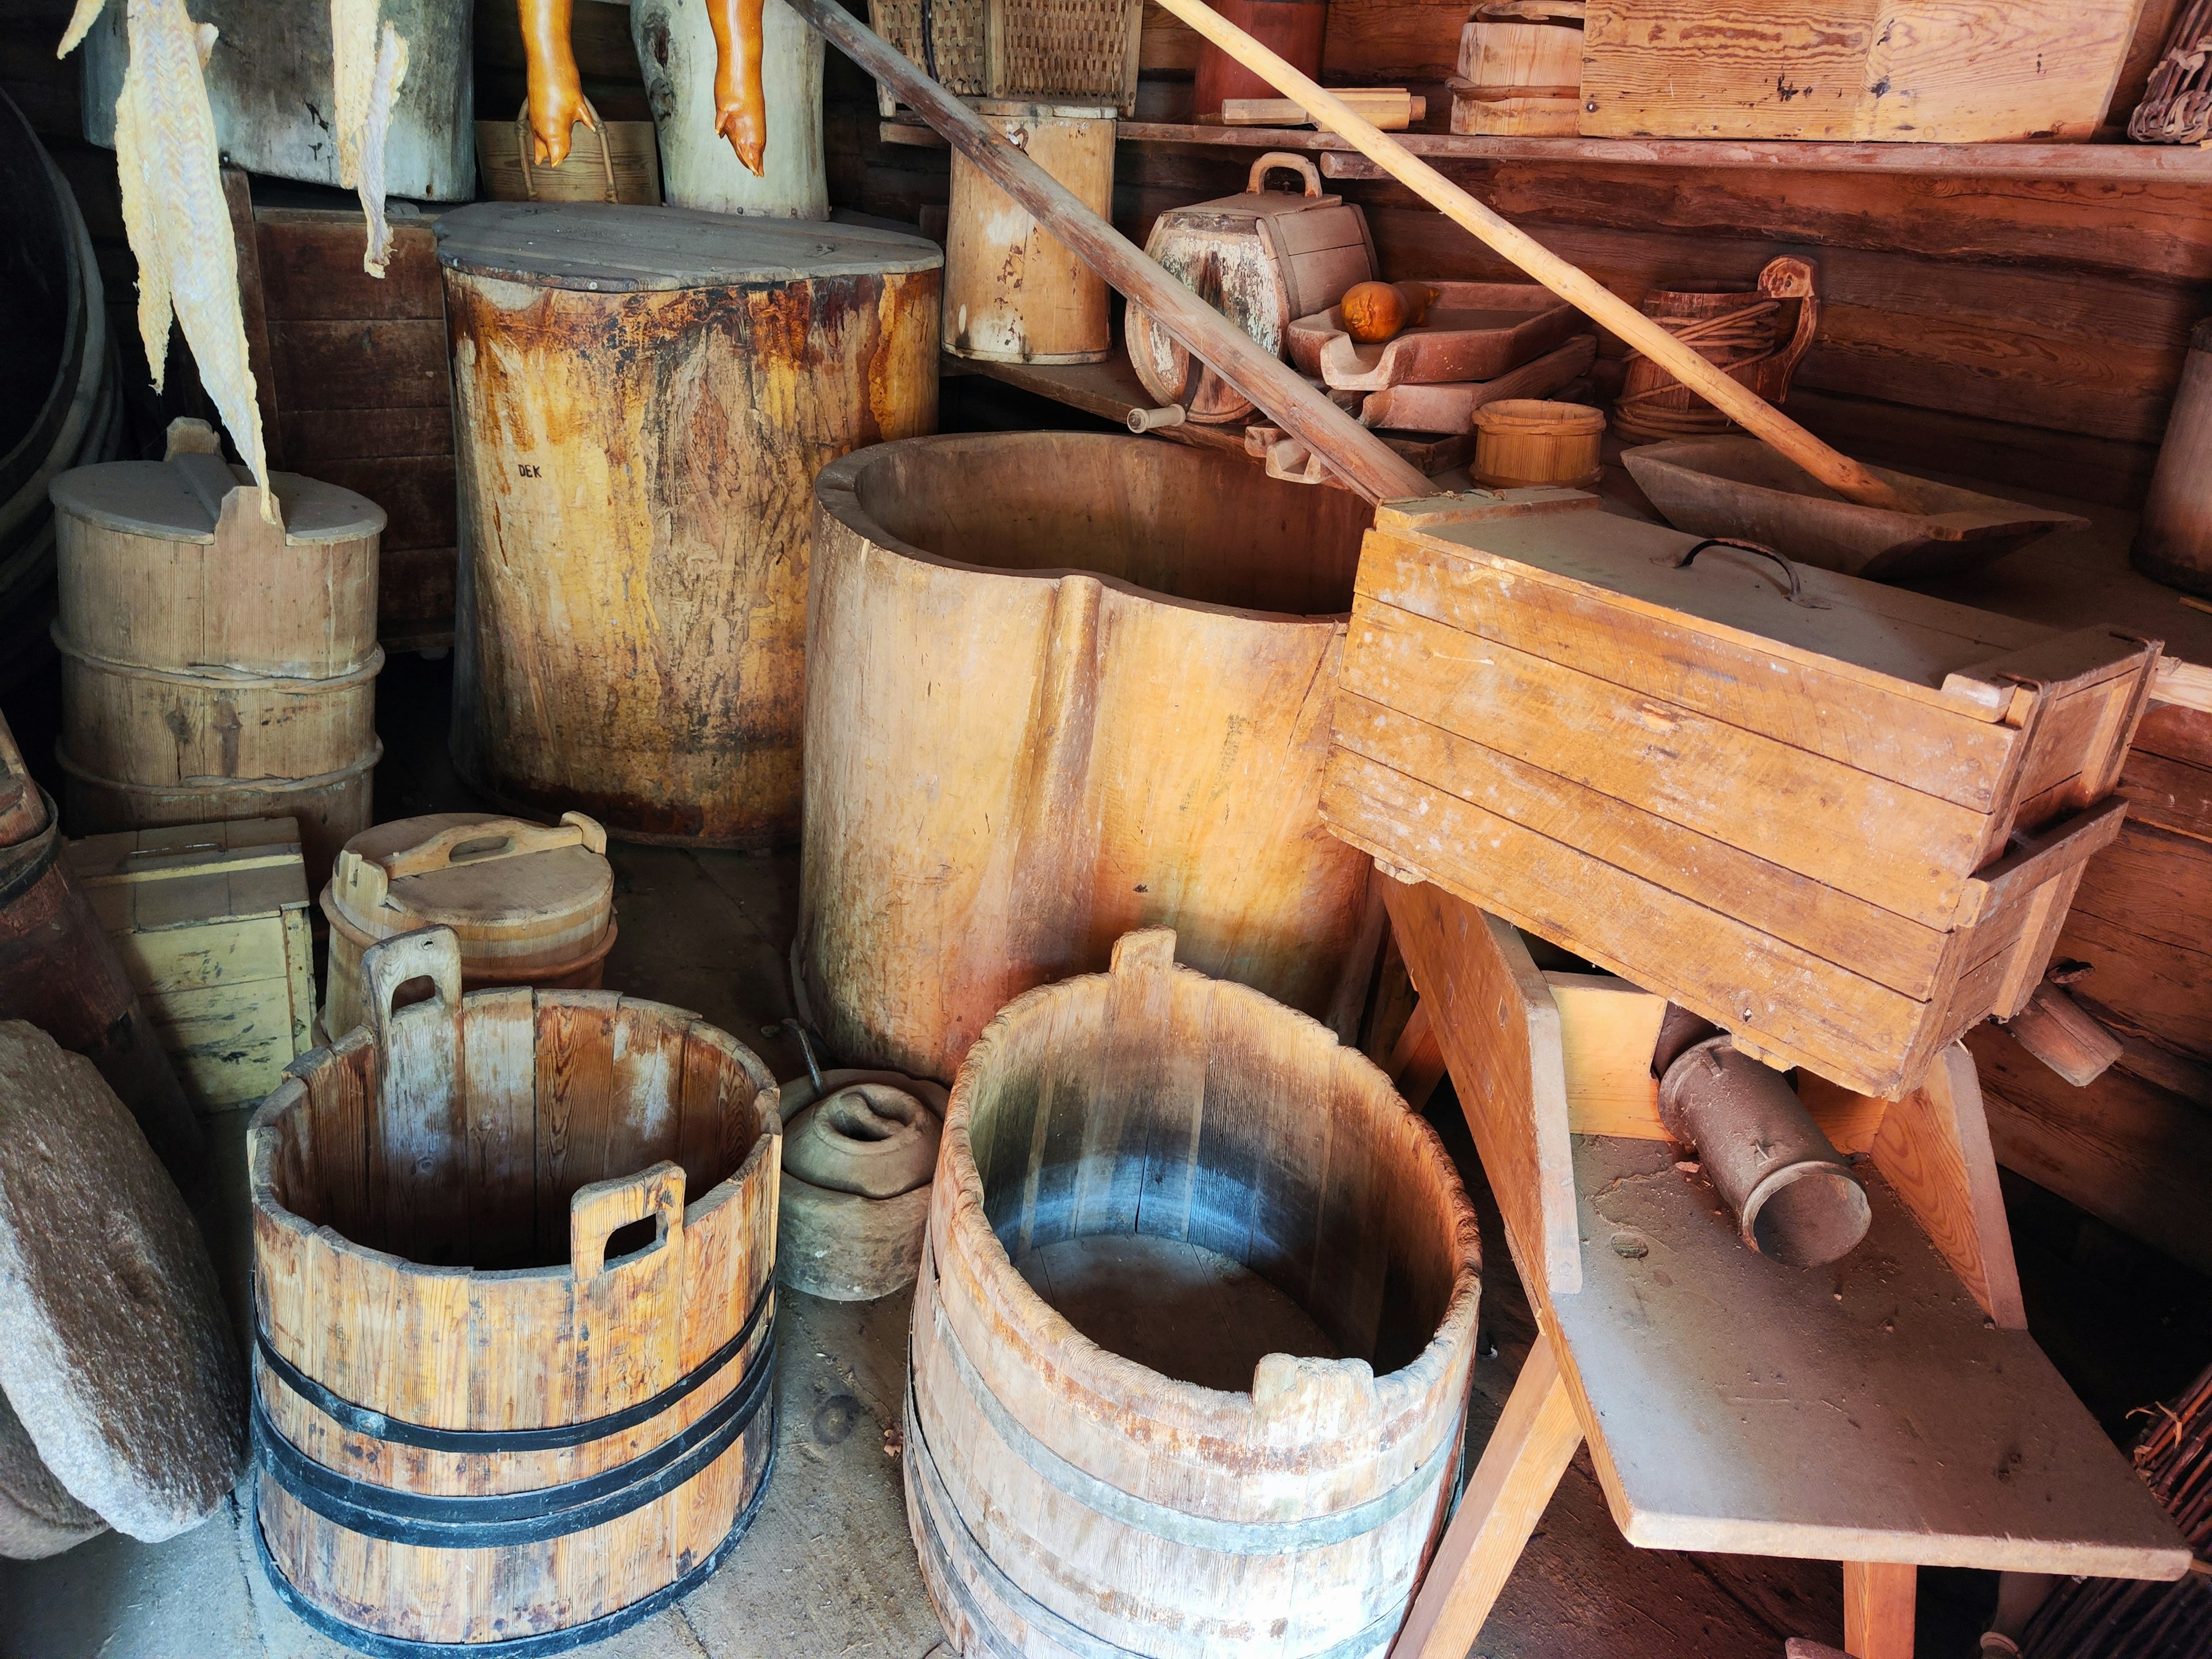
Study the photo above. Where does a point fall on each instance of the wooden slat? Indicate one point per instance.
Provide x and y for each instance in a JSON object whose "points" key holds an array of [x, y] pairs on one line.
{"points": [[1878, 1603], [381, 363], [500, 1074], [574, 1091]]}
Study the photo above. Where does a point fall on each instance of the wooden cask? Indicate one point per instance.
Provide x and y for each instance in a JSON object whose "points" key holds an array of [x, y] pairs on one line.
{"points": [[1520, 70], [1522, 442], [476, 1420], [210, 921], [529, 904], [1841, 821], [215, 665], [1013, 292], [1262, 259], [1221, 1495], [1064, 685], [642, 397]]}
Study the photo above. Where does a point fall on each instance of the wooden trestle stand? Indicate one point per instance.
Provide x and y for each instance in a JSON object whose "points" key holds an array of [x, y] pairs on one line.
{"points": [[1887, 1411]]}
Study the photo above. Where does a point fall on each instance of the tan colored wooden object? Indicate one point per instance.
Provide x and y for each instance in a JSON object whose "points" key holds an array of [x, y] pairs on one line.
{"points": [[1391, 108], [217, 664], [2173, 543], [1052, 1483], [433, 1199], [1522, 442], [531, 904], [210, 921], [607, 161], [1527, 1454], [1471, 332], [1262, 259], [2058, 1031], [1144, 638], [1750, 334], [1519, 75], [1839, 472], [1953, 71], [1960, 763], [640, 401], [1013, 290], [1882, 1373], [1878, 1607]]}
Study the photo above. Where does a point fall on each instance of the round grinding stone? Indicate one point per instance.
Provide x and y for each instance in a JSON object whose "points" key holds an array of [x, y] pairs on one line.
{"points": [[37, 1517], [872, 1138], [118, 1358]]}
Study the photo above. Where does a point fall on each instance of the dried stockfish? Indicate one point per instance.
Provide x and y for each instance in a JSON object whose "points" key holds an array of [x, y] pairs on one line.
{"points": [[176, 218], [367, 73]]}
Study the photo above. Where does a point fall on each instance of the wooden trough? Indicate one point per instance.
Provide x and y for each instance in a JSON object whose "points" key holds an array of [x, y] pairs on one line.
{"points": [[1063, 685], [483, 1413], [1071, 1503], [1739, 487]]}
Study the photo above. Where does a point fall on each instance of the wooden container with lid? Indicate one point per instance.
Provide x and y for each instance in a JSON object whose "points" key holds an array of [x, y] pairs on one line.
{"points": [[531, 904]]}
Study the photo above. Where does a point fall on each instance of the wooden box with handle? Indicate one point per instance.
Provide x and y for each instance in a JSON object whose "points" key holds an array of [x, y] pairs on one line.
{"points": [[530, 903], [1260, 259], [1843, 822]]}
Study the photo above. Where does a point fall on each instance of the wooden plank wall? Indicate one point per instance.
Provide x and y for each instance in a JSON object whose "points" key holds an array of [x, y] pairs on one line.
{"points": [[2027, 331]]}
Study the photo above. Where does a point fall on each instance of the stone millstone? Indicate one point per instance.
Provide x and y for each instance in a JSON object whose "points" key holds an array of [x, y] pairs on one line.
{"points": [[857, 1166], [37, 1517], [118, 1357], [872, 1138]]}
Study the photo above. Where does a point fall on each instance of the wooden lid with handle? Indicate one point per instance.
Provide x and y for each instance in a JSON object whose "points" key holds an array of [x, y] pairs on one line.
{"points": [[491, 879]]}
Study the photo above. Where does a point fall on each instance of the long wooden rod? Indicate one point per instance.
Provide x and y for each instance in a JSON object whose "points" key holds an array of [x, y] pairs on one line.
{"points": [[1360, 457], [1738, 402]]}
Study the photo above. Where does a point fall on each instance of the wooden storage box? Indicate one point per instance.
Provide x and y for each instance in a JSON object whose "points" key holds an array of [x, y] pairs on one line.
{"points": [[210, 920], [1974, 72], [1841, 821]]}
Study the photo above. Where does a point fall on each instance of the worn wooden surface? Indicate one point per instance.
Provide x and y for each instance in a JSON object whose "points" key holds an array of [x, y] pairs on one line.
{"points": [[1834, 938], [1053, 1484], [1066, 686], [630, 642], [2174, 542], [1960, 71], [485, 1132], [1518, 77], [529, 904], [676, 51], [210, 920], [1013, 289]]}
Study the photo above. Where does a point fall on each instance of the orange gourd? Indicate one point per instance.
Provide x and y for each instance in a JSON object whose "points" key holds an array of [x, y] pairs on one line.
{"points": [[1375, 312]]}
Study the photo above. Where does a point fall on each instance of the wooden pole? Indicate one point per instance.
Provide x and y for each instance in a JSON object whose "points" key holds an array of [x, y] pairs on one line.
{"points": [[1362, 459], [1738, 403]]}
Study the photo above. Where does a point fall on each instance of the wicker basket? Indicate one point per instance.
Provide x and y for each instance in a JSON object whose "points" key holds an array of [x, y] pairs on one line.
{"points": [[608, 162], [1066, 50]]}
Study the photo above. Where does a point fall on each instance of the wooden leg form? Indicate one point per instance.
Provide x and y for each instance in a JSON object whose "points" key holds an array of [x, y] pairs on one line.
{"points": [[1878, 1601], [1521, 1467]]}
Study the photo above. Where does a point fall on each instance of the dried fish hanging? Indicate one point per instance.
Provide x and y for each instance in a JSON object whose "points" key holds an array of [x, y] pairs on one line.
{"points": [[366, 74], [2126, 1619], [2177, 103], [170, 168]]}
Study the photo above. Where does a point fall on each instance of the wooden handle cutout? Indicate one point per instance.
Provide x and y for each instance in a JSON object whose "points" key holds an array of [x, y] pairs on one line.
{"points": [[1283, 158], [597, 1211], [431, 953]]}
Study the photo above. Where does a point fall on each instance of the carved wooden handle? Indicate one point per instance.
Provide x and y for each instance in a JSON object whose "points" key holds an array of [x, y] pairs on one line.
{"points": [[432, 953], [1282, 158], [598, 1210]]}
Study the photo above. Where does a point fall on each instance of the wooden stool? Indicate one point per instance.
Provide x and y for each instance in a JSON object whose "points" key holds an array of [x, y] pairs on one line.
{"points": [[1887, 1411]]}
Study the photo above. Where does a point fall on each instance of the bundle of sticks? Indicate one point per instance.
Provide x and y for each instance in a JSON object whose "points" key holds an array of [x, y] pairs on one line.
{"points": [[2177, 103], [2127, 1618]]}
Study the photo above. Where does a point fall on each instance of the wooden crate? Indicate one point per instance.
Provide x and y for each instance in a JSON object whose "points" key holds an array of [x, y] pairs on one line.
{"points": [[1960, 72], [1845, 829], [211, 922]]}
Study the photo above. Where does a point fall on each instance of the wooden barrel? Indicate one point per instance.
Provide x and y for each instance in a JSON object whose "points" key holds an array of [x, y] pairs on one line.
{"points": [[1521, 442], [1061, 686], [676, 50], [642, 398], [1230, 1424], [2174, 544], [509, 1386], [59, 970], [530, 903], [1520, 69], [215, 665], [1749, 332], [1013, 293]]}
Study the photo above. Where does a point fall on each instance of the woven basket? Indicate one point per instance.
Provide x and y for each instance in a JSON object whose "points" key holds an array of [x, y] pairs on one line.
{"points": [[608, 162], [1081, 52]]}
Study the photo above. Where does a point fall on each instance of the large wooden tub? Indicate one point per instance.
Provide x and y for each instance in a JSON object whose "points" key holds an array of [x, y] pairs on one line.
{"points": [[489, 1406], [1061, 686], [1181, 1162]]}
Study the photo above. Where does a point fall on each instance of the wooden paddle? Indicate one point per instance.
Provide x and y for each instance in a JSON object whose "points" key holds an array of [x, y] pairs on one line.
{"points": [[1356, 454], [1740, 403]]}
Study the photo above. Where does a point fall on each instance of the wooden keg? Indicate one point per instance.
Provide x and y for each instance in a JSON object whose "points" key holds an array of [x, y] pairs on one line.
{"points": [[1521, 442], [676, 50], [529, 904], [641, 399], [476, 1419], [2174, 544], [1064, 684], [1520, 69], [1749, 332], [1259, 1472], [215, 665], [1013, 293]]}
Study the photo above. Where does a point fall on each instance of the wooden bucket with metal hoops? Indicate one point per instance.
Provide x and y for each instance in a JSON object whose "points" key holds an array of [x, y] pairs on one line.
{"points": [[510, 1386]]}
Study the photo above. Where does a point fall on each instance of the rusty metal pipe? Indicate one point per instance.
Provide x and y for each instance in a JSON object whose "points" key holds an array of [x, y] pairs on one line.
{"points": [[1793, 1197]]}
